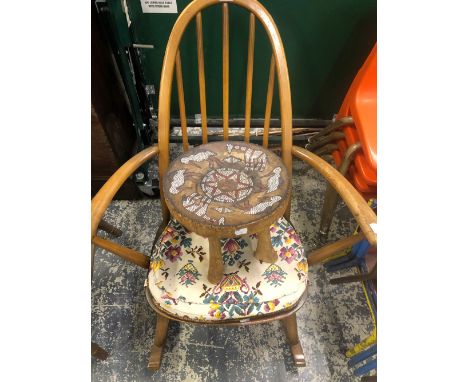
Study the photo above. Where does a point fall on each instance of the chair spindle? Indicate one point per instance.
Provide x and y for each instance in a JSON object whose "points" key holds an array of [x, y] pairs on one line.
{"points": [[201, 77], [225, 71], [248, 91], [269, 101], [180, 93]]}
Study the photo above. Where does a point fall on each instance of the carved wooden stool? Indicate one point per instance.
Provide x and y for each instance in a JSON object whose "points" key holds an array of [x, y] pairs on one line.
{"points": [[227, 189]]}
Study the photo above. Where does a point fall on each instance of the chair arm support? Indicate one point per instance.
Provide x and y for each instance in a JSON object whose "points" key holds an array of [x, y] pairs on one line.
{"points": [[323, 253], [129, 254], [364, 215], [104, 196]]}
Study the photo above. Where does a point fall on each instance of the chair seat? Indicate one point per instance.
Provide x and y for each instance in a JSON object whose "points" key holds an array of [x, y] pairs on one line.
{"points": [[179, 269]]}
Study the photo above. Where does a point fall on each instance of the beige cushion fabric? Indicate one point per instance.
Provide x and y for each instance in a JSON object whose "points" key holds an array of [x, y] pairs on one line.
{"points": [[179, 268]]}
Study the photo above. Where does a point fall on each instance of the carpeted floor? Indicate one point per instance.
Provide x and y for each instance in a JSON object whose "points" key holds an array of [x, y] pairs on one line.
{"points": [[334, 318]]}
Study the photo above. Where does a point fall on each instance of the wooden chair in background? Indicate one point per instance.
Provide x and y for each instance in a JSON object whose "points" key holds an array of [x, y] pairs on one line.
{"points": [[278, 70]]}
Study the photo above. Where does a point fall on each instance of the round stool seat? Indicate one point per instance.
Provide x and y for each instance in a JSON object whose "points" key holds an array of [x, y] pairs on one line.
{"points": [[227, 189]]}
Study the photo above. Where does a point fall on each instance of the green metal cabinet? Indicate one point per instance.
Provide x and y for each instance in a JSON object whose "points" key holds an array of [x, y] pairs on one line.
{"points": [[325, 42]]}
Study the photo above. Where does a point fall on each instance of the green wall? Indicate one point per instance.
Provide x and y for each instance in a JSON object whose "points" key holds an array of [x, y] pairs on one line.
{"points": [[325, 41]]}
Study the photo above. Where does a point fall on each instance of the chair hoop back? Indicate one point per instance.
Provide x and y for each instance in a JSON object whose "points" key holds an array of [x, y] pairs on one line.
{"points": [[172, 59]]}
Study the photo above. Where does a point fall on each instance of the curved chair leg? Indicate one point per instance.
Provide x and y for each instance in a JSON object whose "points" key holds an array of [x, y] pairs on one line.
{"points": [[98, 352], [326, 149], [338, 124], [162, 325], [331, 197], [328, 158], [330, 138], [290, 326]]}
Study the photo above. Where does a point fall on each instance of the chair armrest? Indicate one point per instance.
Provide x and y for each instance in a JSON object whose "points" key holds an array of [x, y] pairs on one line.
{"points": [[364, 215], [104, 196]]}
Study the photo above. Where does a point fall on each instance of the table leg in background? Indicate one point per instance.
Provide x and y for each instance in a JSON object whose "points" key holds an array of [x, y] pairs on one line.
{"points": [[216, 266], [265, 251]]}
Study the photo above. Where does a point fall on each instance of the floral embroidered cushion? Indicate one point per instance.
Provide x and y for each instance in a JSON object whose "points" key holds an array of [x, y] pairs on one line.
{"points": [[179, 269]]}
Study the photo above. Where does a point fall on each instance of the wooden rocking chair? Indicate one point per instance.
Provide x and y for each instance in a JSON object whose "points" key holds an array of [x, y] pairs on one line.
{"points": [[253, 309]]}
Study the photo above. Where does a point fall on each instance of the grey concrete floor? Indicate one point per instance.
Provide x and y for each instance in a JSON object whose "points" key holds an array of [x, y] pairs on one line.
{"points": [[334, 318]]}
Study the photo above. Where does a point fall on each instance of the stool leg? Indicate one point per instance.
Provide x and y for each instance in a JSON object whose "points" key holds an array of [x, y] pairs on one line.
{"points": [[290, 326], [216, 266], [331, 196], [160, 335], [265, 251]]}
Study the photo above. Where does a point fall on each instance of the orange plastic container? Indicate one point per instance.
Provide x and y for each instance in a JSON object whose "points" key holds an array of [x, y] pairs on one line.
{"points": [[363, 107], [361, 103]]}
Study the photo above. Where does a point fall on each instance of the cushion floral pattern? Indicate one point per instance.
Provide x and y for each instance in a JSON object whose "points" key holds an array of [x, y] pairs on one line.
{"points": [[179, 268]]}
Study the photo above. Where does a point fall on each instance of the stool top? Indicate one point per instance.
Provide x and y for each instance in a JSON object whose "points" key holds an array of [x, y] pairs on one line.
{"points": [[227, 188]]}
